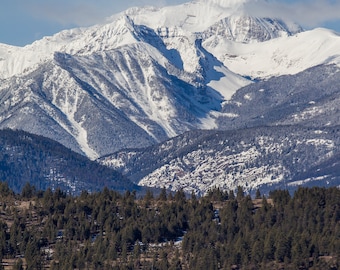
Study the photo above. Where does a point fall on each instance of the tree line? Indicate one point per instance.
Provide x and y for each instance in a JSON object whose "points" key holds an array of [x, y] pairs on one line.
{"points": [[222, 230]]}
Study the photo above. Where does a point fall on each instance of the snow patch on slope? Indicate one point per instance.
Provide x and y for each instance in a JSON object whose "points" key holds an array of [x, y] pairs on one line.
{"points": [[68, 100]]}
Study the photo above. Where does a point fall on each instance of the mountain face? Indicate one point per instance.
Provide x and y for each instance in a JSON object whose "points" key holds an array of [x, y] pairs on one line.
{"points": [[96, 111], [150, 74], [100, 102], [308, 98], [146, 75], [46, 164], [285, 133], [265, 157]]}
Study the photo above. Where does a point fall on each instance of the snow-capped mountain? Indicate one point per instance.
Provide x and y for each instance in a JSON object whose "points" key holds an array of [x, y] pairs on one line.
{"points": [[98, 103], [192, 21], [149, 74]]}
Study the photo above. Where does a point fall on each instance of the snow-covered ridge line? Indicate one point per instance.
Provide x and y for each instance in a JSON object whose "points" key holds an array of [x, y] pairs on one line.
{"points": [[281, 56], [193, 17]]}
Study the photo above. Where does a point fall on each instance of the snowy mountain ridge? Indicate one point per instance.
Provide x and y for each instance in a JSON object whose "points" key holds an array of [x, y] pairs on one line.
{"points": [[218, 23], [192, 17]]}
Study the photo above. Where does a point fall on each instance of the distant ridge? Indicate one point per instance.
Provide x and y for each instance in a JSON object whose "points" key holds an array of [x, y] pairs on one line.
{"points": [[46, 164]]}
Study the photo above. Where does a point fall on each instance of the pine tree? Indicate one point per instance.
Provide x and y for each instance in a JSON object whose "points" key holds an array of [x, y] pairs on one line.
{"points": [[258, 194], [148, 198], [239, 193], [163, 195], [32, 255], [257, 252]]}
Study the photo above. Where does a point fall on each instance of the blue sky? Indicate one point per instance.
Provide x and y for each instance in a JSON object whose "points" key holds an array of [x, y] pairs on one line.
{"points": [[23, 21]]}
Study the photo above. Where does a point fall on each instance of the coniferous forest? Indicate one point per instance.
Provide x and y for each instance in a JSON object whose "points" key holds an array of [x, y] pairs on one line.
{"points": [[222, 230]]}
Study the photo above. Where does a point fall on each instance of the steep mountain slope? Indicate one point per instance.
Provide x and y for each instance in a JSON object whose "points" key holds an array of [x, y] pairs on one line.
{"points": [[45, 163], [309, 98], [96, 104], [265, 158], [293, 148]]}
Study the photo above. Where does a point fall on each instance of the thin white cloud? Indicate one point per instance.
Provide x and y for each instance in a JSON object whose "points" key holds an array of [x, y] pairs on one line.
{"points": [[83, 12], [79, 13], [309, 13]]}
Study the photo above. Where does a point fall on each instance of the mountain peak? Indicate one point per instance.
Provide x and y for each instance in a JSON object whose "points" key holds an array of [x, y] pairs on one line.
{"points": [[248, 29]]}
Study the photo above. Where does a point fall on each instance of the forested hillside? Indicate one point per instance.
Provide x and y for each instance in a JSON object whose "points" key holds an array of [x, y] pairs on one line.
{"points": [[44, 163], [268, 157], [223, 230]]}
